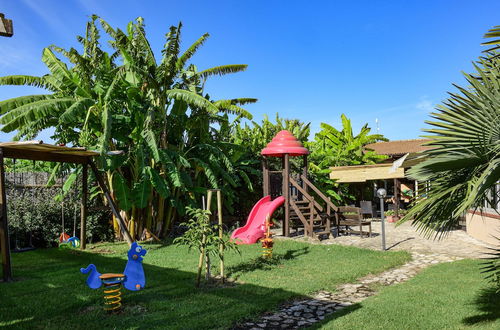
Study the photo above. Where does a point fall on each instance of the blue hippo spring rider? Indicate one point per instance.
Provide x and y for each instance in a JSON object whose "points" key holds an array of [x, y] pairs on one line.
{"points": [[133, 278]]}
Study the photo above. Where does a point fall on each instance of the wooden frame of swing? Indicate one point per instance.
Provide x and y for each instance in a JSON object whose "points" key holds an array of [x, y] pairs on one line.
{"points": [[37, 150]]}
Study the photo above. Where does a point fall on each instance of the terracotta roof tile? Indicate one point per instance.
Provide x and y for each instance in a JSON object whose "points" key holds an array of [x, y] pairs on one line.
{"points": [[398, 147]]}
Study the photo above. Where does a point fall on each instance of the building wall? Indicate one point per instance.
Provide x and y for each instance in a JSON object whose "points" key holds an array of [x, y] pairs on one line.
{"points": [[484, 226]]}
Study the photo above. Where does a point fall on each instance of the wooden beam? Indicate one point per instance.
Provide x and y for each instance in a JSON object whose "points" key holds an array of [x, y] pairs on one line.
{"points": [[4, 226], [83, 208], [397, 188], [44, 156], [265, 176], [286, 192], [114, 208], [304, 170]]}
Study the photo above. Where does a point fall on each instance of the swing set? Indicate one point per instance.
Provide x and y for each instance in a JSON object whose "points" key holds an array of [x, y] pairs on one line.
{"points": [[39, 151]]}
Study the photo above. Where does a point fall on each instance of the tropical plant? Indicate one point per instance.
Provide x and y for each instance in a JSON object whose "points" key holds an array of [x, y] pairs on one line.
{"points": [[333, 147], [491, 267], [463, 164], [154, 113]]}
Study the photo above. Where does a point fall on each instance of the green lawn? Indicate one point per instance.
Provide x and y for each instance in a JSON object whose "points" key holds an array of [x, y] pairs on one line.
{"points": [[49, 291], [446, 296]]}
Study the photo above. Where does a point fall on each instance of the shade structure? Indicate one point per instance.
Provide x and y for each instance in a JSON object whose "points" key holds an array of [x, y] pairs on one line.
{"points": [[284, 143]]}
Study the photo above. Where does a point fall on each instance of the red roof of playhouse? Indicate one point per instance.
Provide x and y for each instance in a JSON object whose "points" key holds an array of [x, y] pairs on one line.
{"points": [[284, 143]]}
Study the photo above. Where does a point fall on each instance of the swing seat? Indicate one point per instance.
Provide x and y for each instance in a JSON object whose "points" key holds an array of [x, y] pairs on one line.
{"points": [[63, 238]]}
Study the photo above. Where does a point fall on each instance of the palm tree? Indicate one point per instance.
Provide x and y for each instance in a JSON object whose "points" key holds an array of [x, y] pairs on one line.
{"points": [[463, 164]]}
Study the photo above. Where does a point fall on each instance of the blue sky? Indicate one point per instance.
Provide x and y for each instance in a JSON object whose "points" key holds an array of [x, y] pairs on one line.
{"points": [[312, 60]]}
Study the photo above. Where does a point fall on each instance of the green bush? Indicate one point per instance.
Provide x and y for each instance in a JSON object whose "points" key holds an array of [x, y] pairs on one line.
{"points": [[35, 217]]}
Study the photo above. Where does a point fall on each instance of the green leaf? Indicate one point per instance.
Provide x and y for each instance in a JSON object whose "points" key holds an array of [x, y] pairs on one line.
{"points": [[192, 99], [150, 139], [69, 182], [158, 182], [141, 192], [121, 191]]}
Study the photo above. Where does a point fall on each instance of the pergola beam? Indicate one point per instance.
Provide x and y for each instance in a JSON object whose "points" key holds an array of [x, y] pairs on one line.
{"points": [[45, 156]]}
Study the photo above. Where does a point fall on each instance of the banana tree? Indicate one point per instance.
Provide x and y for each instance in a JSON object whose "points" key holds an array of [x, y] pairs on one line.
{"points": [[333, 147], [155, 112]]}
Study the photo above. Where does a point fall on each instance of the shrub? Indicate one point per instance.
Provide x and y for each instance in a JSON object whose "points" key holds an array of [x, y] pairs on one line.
{"points": [[35, 217]]}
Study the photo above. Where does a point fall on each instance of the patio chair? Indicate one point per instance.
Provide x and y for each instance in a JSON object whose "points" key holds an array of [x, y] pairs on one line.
{"points": [[348, 217], [367, 209]]}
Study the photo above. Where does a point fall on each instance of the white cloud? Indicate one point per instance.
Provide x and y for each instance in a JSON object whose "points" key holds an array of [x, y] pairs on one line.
{"points": [[425, 105]]}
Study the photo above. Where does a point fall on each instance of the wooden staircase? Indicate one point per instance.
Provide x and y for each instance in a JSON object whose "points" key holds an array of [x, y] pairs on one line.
{"points": [[315, 215]]}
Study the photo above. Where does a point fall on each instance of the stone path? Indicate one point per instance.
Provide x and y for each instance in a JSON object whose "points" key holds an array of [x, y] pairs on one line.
{"points": [[405, 237], [304, 313]]}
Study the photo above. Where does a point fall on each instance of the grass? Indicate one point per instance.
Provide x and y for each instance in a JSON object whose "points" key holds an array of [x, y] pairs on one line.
{"points": [[49, 291], [446, 296]]}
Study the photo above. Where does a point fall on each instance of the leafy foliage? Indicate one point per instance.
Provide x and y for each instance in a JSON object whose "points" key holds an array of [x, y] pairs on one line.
{"points": [[463, 163], [204, 237], [332, 147], [491, 267], [155, 112], [35, 217], [198, 226]]}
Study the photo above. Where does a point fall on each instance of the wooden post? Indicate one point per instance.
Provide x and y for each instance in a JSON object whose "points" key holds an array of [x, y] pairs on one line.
{"points": [[311, 218], [221, 233], [4, 227], [203, 242], [286, 193], [83, 208], [396, 198], [304, 172], [121, 223], [265, 176]]}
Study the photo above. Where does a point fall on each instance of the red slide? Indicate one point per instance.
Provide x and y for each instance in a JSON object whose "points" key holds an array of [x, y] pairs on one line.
{"points": [[254, 228]]}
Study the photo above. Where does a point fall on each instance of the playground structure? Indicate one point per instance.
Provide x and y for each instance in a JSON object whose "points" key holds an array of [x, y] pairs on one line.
{"points": [[305, 206], [132, 278]]}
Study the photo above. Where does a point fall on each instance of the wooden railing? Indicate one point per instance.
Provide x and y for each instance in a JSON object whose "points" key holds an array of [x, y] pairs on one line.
{"points": [[306, 194], [316, 210], [319, 193]]}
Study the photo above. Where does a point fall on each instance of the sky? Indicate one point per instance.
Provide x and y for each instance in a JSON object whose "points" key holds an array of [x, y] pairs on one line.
{"points": [[313, 60]]}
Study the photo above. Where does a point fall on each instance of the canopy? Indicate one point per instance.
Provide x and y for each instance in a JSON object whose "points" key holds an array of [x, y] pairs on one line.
{"points": [[284, 143]]}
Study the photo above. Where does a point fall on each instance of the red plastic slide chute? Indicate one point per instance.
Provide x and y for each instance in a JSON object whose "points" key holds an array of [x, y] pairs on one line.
{"points": [[255, 226]]}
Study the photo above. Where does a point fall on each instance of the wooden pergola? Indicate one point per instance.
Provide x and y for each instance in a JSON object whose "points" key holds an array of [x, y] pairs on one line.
{"points": [[39, 151]]}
